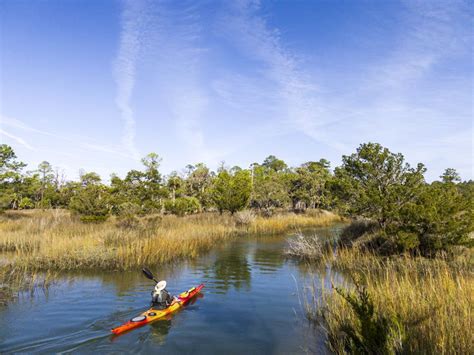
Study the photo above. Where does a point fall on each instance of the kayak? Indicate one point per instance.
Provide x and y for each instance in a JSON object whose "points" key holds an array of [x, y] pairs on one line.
{"points": [[152, 315]]}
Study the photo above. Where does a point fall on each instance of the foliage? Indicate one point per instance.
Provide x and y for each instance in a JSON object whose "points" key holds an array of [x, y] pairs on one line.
{"points": [[91, 202], [231, 191], [198, 183], [10, 177], [175, 185], [127, 213], [275, 164], [269, 185], [308, 185], [371, 333], [183, 206], [412, 216], [426, 302], [25, 204], [409, 214], [375, 183]]}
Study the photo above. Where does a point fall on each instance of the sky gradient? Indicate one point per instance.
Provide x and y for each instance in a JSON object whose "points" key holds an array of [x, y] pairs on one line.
{"points": [[96, 85]]}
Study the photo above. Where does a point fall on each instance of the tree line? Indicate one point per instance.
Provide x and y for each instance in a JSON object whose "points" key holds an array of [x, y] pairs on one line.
{"points": [[374, 183]]}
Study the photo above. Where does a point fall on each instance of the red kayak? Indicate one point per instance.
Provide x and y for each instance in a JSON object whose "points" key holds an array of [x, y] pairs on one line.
{"points": [[152, 315]]}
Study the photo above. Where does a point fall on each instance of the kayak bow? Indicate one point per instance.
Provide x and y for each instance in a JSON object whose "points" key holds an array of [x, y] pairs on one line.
{"points": [[152, 315]]}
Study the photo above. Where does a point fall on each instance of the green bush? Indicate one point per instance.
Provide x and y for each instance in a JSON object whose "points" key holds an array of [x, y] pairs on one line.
{"points": [[183, 206], [127, 213], [373, 332], [26, 204], [91, 203], [356, 230]]}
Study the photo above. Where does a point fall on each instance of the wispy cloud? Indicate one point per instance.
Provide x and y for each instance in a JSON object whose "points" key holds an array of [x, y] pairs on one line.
{"points": [[133, 22], [297, 92], [83, 143], [17, 139]]}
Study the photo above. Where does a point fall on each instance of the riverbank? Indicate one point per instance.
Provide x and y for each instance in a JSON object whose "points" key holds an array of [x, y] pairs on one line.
{"points": [[56, 240], [398, 304]]}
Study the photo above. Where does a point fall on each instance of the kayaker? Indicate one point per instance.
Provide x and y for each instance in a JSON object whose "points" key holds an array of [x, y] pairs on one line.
{"points": [[160, 297]]}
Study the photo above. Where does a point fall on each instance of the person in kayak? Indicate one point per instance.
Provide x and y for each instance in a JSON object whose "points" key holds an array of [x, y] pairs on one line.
{"points": [[160, 297]]}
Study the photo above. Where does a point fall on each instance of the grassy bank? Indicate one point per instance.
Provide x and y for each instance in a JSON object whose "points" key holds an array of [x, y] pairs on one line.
{"points": [[55, 240], [419, 305]]}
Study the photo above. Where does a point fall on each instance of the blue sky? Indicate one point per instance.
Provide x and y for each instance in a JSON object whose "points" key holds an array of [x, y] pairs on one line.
{"points": [[96, 85]]}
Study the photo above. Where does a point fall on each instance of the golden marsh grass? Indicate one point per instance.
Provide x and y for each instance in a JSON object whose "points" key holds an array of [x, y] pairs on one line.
{"points": [[55, 240], [431, 299]]}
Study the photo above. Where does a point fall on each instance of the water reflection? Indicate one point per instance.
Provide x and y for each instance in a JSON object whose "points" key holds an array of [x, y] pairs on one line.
{"points": [[230, 269], [268, 260], [159, 330]]}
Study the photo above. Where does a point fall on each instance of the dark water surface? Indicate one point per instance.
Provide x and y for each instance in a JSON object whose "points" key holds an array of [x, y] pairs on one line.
{"points": [[251, 304]]}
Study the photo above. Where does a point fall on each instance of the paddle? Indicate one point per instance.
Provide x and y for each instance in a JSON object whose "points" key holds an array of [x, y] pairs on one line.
{"points": [[148, 274]]}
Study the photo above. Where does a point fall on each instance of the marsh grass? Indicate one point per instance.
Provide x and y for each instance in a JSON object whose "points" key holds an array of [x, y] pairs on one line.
{"points": [[426, 303], [16, 279], [55, 240], [290, 221]]}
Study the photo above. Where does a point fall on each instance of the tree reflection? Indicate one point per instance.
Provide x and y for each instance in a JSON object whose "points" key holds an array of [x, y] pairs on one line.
{"points": [[268, 259], [232, 269], [160, 329]]}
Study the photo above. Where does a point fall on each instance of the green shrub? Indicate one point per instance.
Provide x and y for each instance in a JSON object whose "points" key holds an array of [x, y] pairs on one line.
{"points": [[356, 230], [26, 204], [183, 206], [127, 213], [372, 333], [91, 203]]}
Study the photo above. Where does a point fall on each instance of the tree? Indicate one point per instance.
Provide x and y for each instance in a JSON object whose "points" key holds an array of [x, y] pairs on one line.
{"points": [[46, 173], [91, 202], [376, 183], [437, 219], [143, 188], [450, 175], [175, 185], [411, 215], [183, 205], [308, 186], [274, 163], [152, 183], [231, 192], [270, 187], [90, 179], [10, 177], [198, 183]]}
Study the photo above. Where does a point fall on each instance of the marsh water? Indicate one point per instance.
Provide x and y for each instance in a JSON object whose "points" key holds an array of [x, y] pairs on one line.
{"points": [[251, 303]]}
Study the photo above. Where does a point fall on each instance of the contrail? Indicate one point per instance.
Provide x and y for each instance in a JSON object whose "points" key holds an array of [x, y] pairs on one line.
{"points": [[132, 24], [16, 138]]}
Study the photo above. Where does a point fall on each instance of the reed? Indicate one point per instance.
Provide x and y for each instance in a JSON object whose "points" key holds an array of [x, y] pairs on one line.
{"points": [[55, 240], [426, 303], [291, 221], [15, 279]]}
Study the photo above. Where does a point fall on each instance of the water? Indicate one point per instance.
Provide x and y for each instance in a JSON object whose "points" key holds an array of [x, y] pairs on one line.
{"points": [[251, 304]]}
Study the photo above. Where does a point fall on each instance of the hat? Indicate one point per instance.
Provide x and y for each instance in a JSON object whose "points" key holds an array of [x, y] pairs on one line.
{"points": [[160, 286]]}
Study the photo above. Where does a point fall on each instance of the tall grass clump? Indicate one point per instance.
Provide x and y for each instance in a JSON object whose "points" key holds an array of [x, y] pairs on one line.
{"points": [[398, 305], [244, 218]]}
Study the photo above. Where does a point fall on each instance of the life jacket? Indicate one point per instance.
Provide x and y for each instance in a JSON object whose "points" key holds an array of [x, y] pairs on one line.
{"points": [[161, 299]]}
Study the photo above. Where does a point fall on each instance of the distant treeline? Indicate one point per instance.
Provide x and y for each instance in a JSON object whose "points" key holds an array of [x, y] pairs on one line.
{"points": [[372, 183]]}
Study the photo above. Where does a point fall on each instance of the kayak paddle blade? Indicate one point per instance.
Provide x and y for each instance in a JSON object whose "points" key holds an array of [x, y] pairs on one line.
{"points": [[147, 273]]}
